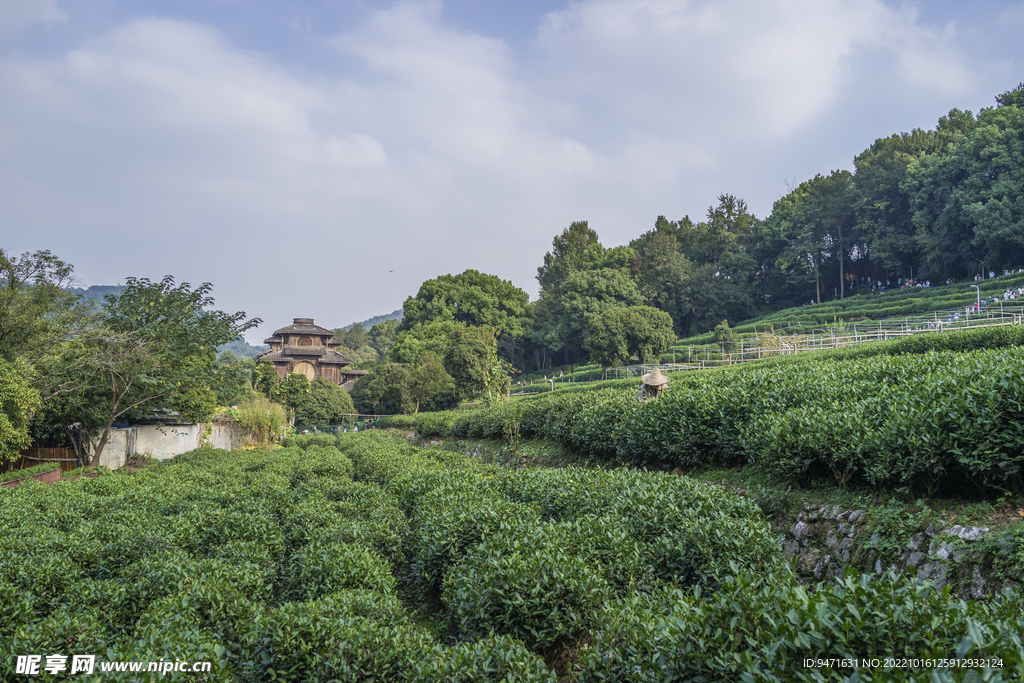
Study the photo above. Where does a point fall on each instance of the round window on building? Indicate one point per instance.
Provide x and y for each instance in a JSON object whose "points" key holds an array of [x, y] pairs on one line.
{"points": [[305, 341], [307, 369]]}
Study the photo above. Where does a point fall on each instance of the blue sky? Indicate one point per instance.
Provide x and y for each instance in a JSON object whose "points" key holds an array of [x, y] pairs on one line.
{"points": [[324, 158]]}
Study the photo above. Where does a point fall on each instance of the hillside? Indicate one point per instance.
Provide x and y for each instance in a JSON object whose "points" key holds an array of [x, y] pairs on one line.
{"points": [[370, 322]]}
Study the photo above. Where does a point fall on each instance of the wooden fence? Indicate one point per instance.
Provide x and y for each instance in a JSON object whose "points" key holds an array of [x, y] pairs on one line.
{"points": [[37, 456]]}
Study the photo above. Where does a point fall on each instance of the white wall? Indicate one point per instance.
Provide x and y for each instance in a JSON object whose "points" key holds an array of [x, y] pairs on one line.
{"points": [[227, 435], [164, 441]]}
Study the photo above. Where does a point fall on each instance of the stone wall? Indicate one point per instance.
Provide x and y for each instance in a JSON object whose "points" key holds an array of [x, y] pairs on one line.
{"points": [[825, 539]]}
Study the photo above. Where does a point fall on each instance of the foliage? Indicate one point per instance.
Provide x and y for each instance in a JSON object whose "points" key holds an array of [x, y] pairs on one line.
{"points": [[265, 379], [616, 335], [29, 471], [760, 628], [284, 565], [471, 298], [428, 378], [471, 360], [230, 378], [18, 401], [431, 337], [156, 349], [384, 391], [933, 421], [324, 403], [36, 310], [261, 420], [724, 336]]}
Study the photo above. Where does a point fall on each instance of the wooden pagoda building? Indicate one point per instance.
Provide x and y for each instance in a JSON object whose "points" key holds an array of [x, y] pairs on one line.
{"points": [[309, 350]]}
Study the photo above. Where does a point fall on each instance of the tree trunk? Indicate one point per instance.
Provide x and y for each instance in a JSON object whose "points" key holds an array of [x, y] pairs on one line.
{"points": [[103, 442], [842, 281], [817, 278]]}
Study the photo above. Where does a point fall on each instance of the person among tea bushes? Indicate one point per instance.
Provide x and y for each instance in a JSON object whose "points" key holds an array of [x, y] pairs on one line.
{"points": [[654, 384]]}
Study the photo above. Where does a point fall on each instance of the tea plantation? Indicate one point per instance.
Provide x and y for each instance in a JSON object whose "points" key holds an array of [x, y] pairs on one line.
{"points": [[944, 421], [367, 559]]}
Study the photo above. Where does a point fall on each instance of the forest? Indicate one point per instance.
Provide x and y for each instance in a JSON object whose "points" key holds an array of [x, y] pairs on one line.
{"points": [[925, 208]]}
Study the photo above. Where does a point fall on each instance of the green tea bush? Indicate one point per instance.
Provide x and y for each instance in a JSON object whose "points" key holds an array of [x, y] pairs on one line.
{"points": [[29, 471], [492, 659], [449, 521], [396, 422], [631, 575], [347, 636], [762, 628], [929, 420], [526, 582], [320, 568]]}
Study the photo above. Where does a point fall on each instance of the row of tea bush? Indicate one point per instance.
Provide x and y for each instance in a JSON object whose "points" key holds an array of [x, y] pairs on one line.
{"points": [[935, 421], [288, 566]]}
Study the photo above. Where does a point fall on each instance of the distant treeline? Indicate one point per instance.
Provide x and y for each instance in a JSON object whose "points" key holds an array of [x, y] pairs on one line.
{"points": [[928, 206]]}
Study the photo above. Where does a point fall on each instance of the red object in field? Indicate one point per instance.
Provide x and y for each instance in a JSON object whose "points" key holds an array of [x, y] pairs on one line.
{"points": [[50, 477]]}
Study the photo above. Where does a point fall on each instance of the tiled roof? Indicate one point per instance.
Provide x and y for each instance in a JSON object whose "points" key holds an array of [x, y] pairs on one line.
{"points": [[273, 340], [335, 358], [303, 326]]}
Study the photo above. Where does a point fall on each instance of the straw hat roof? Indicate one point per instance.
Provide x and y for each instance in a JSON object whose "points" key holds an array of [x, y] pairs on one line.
{"points": [[654, 378]]}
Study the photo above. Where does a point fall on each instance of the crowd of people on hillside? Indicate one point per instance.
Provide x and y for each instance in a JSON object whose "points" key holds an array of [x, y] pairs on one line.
{"points": [[880, 287]]}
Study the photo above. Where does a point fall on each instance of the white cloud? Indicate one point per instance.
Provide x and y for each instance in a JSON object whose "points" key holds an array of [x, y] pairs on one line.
{"points": [[163, 147], [758, 68]]}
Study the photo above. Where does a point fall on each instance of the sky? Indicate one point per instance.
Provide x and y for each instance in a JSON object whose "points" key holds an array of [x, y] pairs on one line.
{"points": [[322, 159]]}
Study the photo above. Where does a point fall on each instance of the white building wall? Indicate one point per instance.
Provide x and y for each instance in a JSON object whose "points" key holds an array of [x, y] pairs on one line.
{"points": [[163, 442]]}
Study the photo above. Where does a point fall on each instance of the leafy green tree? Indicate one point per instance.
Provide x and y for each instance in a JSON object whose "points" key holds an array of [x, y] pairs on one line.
{"points": [[157, 349], [382, 336], [265, 379], [230, 378], [18, 402], [411, 344], [722, 266], [967, 200], [618, 334], [725, 336], [36, 309], [664, 272], [384, 391], [471, 359], [323, 403], [293, 391], [583, 295], [1012, 98], [428, 378], [575, 251], [576, 248], [882, 202], [352, 338], [471, 298]]}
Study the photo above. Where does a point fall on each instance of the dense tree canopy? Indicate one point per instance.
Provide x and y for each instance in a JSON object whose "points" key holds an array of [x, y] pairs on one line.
{"points": [[324, 402], [471, 298], [620, 334]]}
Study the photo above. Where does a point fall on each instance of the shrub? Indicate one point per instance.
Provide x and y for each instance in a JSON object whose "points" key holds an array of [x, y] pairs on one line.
{"points": [[762, 628], [321, 568], [524, 582]]}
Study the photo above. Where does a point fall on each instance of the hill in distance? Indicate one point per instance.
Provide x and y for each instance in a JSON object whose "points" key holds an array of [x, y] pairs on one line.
{"points": [[367, 324]]}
